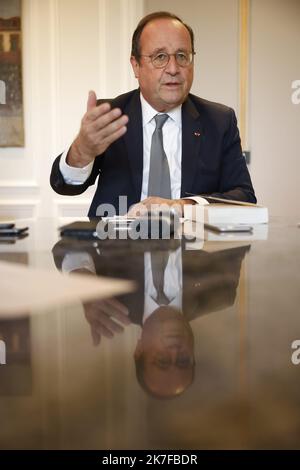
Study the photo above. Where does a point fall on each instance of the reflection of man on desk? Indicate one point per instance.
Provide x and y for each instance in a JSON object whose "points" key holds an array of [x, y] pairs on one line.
{"points": [[164, 355], [174, 286]]}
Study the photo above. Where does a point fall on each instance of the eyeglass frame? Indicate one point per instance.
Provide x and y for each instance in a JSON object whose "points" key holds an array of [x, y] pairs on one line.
{"points": [[155, 54]]}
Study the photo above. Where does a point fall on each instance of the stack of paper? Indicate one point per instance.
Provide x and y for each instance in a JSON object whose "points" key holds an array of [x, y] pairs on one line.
{"points": [[24, 289]]}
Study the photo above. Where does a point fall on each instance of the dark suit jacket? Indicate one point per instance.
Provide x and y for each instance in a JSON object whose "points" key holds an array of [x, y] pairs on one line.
{"points": [[212, 160]]}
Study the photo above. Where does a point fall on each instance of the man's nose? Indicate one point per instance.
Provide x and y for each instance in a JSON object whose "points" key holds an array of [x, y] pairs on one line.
{"points": [[172, 67]]}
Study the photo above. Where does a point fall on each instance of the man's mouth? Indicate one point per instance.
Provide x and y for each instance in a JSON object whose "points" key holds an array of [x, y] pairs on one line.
{"points": [[172, 84]]}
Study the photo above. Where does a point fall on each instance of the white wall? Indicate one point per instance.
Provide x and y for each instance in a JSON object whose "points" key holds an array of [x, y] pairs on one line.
{"points": [[274, 119], [71, 46], [215, 24], [274, 63]]}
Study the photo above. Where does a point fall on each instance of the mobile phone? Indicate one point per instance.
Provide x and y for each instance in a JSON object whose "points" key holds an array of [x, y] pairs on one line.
{"points": [[224, 228], [4, 225], [12, 238], [10, 232]]}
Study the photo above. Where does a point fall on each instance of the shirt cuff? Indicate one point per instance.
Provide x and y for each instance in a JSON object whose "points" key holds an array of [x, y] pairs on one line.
{"points": [[71, 174], [198, 200], [80, 260]]}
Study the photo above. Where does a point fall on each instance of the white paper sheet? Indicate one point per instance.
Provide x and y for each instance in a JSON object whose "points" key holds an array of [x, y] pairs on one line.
{"points": [[24, 289]]}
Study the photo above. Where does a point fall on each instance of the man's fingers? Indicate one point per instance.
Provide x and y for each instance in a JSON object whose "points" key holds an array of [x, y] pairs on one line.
{"points": [[121, 317], [103, 331], [111, 131], [92, 101], [96, 336], [108, 314], [118, 313], [138, 210], [106, 328], [109, 117], [100, 141], [103, 115], [108, 324], [117, 305], [96, 111], [111, 128], [100, 127]]}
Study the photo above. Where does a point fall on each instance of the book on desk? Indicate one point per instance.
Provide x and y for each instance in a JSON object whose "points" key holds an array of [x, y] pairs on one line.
{"points": [[225, 211]]}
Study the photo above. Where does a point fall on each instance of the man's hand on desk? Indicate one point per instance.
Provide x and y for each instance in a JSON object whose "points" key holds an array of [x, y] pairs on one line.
{"points": [[148, 203], [100, 127], [106, 318]]}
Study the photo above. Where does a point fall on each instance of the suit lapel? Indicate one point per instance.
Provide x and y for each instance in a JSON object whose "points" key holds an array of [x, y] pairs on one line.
{"points": [[134, 141], [192, 136]]}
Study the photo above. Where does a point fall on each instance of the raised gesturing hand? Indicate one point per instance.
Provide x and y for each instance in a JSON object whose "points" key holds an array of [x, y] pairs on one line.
{"points": [[100, 127]]}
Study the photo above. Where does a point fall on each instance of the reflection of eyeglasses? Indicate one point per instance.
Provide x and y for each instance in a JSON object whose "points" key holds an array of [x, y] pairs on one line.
{"points": [[182, 361], [161, 59]]}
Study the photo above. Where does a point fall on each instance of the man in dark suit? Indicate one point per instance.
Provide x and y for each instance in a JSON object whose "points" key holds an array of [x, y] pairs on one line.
{"points": [[201, 148]]}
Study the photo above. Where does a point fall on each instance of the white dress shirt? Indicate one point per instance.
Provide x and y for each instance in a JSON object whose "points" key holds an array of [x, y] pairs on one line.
{"points": [[78, 260]]}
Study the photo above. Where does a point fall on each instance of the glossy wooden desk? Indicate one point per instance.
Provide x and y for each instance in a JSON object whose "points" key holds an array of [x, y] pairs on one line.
{"points": [[212, 370]]}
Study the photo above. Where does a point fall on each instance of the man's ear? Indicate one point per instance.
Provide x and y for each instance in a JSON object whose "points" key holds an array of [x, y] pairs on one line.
{"points": [[135, 66]]}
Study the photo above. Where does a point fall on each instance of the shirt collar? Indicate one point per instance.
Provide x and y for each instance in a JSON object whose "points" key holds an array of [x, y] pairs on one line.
{"points": [[148, 113]]}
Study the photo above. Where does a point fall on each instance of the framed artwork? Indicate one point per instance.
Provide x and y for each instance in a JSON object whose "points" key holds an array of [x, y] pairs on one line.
{"points": [[11, 96]]}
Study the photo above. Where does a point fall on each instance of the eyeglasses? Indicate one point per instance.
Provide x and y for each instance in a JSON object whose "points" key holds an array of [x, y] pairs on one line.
{"points": [[182, 361], [161, 59]]}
